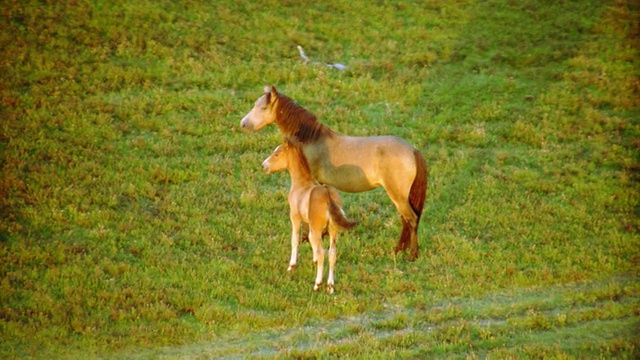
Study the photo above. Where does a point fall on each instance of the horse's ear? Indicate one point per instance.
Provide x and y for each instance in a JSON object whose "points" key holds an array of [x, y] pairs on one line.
{"points": [[271, 93]]}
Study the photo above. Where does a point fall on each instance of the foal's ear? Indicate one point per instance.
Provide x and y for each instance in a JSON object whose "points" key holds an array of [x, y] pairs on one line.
{"points": [[291, 141]]}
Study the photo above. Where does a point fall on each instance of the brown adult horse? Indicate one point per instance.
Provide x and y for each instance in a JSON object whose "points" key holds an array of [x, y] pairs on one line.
{"points": [[352, 164], [318, 205]]}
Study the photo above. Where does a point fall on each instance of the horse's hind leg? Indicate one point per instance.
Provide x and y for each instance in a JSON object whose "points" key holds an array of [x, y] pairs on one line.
{"points": [[404, 240], [409, 235]]}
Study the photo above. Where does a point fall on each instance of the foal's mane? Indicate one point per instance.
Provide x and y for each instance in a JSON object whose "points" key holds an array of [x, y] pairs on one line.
{"points": [[296, 146], [296, 121]]}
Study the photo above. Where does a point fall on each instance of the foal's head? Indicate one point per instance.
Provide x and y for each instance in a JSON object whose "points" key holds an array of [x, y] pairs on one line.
{"points": [[278, 160], [287, 155]]}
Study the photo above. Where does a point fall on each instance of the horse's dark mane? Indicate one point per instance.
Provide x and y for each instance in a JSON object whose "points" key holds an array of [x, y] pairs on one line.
{"points": [[296, 121]]}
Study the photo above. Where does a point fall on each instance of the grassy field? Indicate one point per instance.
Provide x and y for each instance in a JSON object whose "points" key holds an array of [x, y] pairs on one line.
{"points": [[135, 221]]}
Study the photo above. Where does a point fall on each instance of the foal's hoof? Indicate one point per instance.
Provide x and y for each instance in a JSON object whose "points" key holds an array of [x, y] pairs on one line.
{"points": [[316, 287], [291, 267], [330, 289]]}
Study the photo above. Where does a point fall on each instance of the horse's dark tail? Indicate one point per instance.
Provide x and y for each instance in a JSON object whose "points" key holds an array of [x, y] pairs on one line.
{"points": [[417, 195], [337, 216], [418, 192]]}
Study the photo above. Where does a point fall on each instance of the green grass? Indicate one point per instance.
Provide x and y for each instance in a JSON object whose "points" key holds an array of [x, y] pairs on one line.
{"points": [[135, 221]]}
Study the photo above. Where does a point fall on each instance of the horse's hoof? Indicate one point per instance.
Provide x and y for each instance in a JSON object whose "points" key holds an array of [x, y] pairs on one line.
{"points": [[291, 267], [316, 287], [330, 289]]}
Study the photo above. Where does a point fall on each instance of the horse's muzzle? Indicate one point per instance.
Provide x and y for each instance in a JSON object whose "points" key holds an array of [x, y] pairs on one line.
{"points": [[246, 125]]}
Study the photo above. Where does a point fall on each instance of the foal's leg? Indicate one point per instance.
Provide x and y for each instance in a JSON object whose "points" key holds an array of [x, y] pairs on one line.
{"points": [[305, 233], [333, 234], [314, 247], [295, 240], [315, 237]]}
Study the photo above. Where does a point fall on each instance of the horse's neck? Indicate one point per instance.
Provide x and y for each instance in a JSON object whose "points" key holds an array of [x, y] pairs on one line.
{"points": [[295, 121], [298, 131]]}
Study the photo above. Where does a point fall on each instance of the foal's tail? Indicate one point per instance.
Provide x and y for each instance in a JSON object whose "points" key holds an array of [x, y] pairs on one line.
{"points": [[337, 216]]}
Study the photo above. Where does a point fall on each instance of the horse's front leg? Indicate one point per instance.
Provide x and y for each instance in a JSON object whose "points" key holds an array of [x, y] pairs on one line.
{"points": [[295, 240]]}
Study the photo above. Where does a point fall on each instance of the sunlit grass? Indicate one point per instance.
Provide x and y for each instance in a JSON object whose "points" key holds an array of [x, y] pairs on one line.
{"points": [[135, 220]]}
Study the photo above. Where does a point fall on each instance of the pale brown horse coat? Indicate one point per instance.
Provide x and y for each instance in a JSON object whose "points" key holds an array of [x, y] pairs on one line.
{"points": [[352, 164], [318, 205]]}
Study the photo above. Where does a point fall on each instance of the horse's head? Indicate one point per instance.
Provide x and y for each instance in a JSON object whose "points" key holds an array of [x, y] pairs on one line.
{"points": [[263, 112], [278, 160]]}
